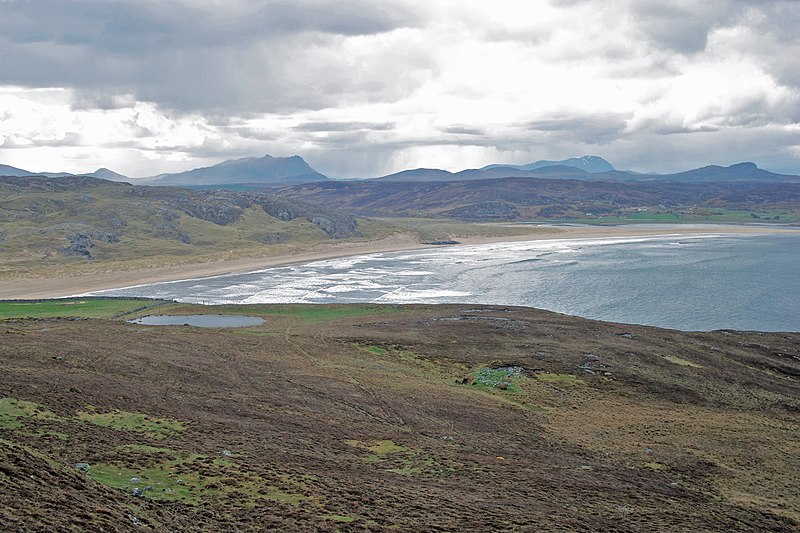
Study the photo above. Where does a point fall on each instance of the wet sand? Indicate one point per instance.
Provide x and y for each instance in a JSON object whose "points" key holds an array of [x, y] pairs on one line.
{"points": [[69, 285]]}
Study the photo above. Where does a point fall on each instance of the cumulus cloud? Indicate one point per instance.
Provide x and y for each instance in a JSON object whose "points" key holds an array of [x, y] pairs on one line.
{"points": [[363, 88], [244, 56]]}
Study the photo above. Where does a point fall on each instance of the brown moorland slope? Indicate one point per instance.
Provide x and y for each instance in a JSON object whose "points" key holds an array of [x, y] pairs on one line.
{"points": [[521, 198], [420, 418]]}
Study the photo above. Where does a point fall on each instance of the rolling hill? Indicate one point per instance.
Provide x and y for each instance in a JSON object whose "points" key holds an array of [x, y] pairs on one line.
{"points": [[526, 198], [47, 222]]}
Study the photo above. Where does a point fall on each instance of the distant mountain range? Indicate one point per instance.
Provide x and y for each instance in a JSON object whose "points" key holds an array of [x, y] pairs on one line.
{"points": [[268, 171], [567, 169], [254, 171], [573, 168], [102, 173]]}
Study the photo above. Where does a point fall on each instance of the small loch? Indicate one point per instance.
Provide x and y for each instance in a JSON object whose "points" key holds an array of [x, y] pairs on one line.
{"points": [[199, 321]]}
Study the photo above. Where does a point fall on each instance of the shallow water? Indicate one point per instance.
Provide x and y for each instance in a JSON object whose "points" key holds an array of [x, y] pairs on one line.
{"points": [[698, 282], [199, 321]]}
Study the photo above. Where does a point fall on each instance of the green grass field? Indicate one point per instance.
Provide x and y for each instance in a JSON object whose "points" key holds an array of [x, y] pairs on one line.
{"points": [[115, 307], [312, 312], [74, 307], [710, 215]]}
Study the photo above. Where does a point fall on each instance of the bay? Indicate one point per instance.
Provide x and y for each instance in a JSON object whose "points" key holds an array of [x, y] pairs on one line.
{"points": [[697, 282]]}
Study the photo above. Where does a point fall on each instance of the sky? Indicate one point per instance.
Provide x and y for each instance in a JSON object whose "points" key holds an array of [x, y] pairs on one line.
{"points": [[363, 88]]}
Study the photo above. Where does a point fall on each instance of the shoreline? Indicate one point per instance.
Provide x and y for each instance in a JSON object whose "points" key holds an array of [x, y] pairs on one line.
{"points": [[43, 288]]}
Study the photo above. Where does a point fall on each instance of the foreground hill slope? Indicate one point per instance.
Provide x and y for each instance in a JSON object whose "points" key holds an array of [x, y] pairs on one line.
{"points": [[413, 417], [70, 221]]}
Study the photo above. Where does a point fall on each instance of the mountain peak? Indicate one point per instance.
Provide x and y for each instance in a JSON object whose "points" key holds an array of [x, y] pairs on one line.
{"points": [[266, 170], [588, 163], [108, 174]]}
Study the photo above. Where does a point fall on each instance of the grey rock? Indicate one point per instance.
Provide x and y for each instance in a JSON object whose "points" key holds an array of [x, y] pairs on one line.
{"points": [[271, 238], [80, 243]]}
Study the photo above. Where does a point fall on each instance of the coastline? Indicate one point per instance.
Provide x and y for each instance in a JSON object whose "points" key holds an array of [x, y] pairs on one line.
{"points": [[67, 286]]}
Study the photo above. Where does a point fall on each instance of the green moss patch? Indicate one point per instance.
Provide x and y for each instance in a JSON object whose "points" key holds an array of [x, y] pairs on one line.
{"points": [[137, 422], [399, 459], [564, 379], [507, 378], [12, 410], [161, 482], [192, 479], [378, 448]]}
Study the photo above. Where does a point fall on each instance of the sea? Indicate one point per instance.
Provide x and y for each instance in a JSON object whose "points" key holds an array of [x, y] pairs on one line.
{"points": [[687, 282]]}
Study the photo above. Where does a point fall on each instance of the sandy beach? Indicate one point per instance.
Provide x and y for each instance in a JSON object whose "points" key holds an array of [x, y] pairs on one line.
{"points": [[67, 286]]}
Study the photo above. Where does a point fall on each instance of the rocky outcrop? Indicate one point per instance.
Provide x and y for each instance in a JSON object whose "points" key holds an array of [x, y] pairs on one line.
{"points": [[226, 207], [81, 243], [335, 224]]}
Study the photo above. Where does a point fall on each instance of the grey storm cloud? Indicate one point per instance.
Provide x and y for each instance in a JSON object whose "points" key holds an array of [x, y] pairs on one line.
{"points": [[463, 130], [344, 126], [595, 129], [255, 56], [684, 27], [130, 27]]}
